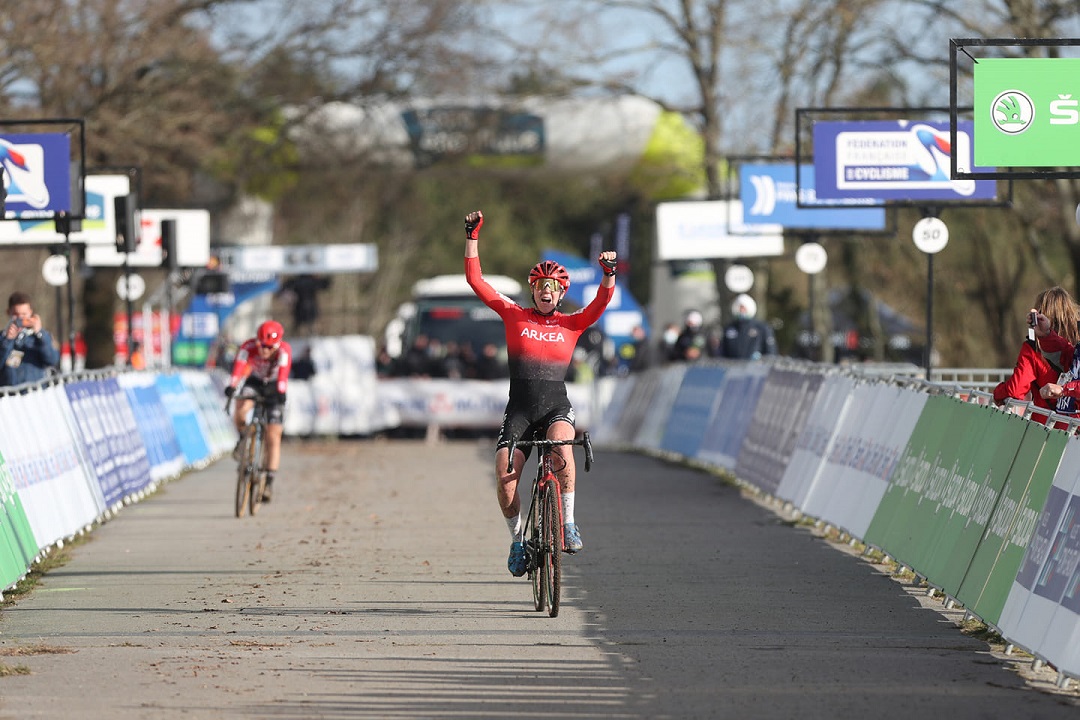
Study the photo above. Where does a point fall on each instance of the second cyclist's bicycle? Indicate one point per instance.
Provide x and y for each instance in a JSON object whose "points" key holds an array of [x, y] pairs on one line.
{"points": [[251, 466], [544, 525]]}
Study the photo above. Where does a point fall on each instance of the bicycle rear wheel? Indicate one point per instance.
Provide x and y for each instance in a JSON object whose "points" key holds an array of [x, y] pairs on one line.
{"points": [[551, 554], [244, 468]]}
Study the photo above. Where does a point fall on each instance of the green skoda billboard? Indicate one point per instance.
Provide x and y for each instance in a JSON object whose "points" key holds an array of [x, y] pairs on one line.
{"points": [[1027, 112]]}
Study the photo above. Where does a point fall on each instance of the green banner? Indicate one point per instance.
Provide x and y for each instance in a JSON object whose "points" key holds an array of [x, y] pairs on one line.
{"points": [[893, 528], [972, 500], [16, 537], [1027, 112], [1012, 523]]}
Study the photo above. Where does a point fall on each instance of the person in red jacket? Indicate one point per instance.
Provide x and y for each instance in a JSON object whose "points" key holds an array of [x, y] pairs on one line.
{"points": [[263, 363], [540, 344], [1034, 370]]}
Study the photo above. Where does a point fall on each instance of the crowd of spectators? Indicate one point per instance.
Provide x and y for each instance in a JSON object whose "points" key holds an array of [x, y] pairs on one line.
{"points": [[431, 358]]}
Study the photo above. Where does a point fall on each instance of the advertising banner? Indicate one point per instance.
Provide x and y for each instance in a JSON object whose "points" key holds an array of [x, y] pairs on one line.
{"points": [[1042, 612], [37, 170], [1027, 112], [18, 547], [771, 195], [162, 448], [894, 160], [1012, 524], [783, 406], [712, 229], [694, 405], [107, 442], [184, 416], [734, 411], [807, 468], [98, 225]]}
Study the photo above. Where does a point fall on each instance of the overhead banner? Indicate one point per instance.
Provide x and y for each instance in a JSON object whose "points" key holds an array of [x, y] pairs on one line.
{"points": [[771, 194], [712, 229], [1026, 112], [898, 160], [37, 171]]}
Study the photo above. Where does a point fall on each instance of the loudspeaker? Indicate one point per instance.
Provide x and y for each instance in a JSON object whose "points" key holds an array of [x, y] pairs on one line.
{"points": [[127, 230], [168, 245]]}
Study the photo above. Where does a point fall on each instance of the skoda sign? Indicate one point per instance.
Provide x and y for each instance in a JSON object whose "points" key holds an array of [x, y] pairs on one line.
{"points": [[1027, 112]]}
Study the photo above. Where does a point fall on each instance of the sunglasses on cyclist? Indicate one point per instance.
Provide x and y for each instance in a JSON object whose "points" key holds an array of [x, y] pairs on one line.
{"points": [[272, 346], [548, 284]]}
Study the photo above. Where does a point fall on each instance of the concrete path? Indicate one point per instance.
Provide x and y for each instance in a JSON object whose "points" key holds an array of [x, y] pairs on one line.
{"points": [[374, 586]]}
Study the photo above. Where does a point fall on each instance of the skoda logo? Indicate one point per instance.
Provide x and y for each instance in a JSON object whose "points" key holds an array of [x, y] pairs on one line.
{"points": [[1012, 112]]}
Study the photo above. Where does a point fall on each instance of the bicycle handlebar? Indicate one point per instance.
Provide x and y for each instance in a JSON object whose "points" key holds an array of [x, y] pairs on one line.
{"points": [[584, 441]]}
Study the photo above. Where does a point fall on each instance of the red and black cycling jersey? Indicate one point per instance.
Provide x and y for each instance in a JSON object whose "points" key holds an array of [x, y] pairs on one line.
{"points": [[540, 347], [271, 371]]}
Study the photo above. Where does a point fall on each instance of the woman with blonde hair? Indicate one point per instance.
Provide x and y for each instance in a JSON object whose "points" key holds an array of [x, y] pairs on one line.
{"points": [[1038, 367]]}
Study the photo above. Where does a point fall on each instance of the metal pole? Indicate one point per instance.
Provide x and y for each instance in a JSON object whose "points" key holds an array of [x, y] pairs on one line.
{"points": [[929, 311], [128, 306], [70, 295]]}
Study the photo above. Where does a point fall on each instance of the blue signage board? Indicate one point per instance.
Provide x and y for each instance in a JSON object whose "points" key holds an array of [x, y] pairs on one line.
{"points": [[37, 175], [895, 160], [771, 196]]}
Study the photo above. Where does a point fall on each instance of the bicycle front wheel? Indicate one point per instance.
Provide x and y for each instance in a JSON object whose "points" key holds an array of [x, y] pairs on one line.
{"points": [[537, 573], [258, 475], [244, 468], [552, 551]]}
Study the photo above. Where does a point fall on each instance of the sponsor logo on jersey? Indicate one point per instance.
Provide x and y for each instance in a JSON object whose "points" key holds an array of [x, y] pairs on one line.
{"points": [[551, 336]]}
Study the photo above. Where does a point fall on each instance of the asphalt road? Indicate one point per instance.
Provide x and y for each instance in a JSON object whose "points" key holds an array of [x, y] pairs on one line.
{"points": [[374, 586]]}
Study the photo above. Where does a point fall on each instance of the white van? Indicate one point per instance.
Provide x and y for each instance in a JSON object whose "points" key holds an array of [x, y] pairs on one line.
{"points": [[446, 309]]}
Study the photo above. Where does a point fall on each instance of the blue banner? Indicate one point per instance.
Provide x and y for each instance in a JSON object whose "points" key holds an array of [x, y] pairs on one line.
{"points": [[109, 437], [894, 160], [162, 447], [183, 412], [770, 196], [693, 407], [38, 172]]}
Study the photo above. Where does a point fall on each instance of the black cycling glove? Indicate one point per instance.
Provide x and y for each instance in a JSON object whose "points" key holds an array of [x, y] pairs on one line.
{"points": [[473, 223]]}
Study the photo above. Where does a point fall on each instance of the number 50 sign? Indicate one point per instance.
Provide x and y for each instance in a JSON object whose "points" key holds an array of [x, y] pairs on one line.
{"points": [[931, 235]]}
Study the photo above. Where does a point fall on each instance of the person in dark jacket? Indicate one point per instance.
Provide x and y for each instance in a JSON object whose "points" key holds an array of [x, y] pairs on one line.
{"points": [[746, 337], [26, 349]]}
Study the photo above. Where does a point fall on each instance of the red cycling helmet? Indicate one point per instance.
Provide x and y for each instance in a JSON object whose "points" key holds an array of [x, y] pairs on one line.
{"points": [[550, 269], [270, 333]]}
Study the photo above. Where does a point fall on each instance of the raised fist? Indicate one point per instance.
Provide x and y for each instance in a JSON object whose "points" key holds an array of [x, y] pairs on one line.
{"points": [[473, 222], [608, 262]]}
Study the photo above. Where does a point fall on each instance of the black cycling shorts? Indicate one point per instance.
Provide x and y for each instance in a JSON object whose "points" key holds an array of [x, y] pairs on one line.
{"points": [[522, 424], [254, 387]]}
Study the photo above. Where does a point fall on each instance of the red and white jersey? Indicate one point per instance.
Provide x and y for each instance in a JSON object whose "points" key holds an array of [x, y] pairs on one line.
{"points": [[539, 347], [274, 369]]}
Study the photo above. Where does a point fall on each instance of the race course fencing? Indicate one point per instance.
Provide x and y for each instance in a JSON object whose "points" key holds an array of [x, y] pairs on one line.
{"points": [[980, 501]]}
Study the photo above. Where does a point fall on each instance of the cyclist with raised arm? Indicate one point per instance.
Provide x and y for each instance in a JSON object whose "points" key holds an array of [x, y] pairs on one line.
{"points": [[265, 360], [540, 343]]}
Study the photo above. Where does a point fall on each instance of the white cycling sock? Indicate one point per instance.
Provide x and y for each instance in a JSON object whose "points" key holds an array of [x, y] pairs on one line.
{"points": [[514, 523], [567, 507]]}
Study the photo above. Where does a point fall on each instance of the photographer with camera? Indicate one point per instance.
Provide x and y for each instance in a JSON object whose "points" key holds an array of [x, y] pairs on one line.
{"points": [[26, 349]]}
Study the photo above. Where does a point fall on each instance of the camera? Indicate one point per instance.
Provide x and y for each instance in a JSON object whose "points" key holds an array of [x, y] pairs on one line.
{"points": [[1033, 318]]}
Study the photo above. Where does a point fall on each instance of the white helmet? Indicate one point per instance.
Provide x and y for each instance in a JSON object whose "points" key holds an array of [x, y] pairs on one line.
{"points": [[694, 319], [744, 307]]}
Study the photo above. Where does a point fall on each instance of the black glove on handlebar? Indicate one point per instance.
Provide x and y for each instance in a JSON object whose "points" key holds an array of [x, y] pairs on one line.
{"points": [[230, 391], [280, 398]]}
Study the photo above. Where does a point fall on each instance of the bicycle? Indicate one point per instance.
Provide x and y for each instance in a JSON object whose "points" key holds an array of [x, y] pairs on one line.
{"points": [[251, 467], [543, 525]]}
